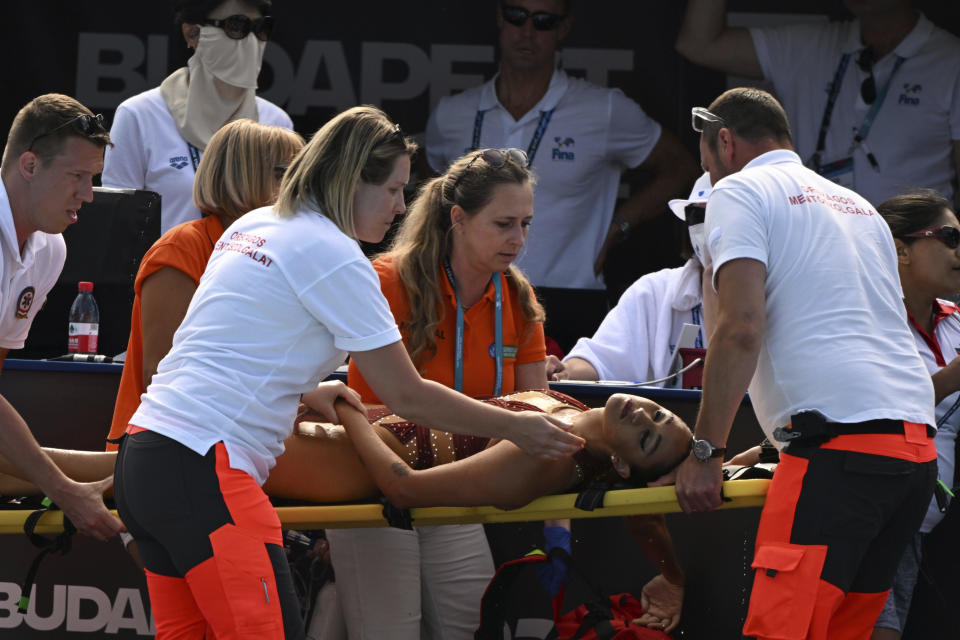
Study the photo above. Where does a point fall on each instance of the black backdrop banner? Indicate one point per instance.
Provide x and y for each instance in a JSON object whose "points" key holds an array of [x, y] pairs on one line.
{"points": [[400, 56]]}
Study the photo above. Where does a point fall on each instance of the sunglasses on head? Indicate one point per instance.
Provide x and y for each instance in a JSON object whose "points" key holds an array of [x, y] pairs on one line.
{"points": [[87, 124], [496, 158], [238, 26], [542, 20], [868, 89], [699, 117], [396, 133], [946, 234]]}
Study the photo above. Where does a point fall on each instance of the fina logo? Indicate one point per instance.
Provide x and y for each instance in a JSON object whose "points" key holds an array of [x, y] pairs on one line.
{"points": [[179, 162], [911, 94], [559, 153]]}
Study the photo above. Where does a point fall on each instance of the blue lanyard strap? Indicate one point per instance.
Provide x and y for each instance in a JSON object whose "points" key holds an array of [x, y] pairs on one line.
{"points": [[534, 141], [498, 332], [828, 110], [867, 123], [872, 113], [194, 156]]}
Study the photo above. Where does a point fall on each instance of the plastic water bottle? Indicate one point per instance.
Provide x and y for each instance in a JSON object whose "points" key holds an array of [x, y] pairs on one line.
{"points": [[84, 321]]}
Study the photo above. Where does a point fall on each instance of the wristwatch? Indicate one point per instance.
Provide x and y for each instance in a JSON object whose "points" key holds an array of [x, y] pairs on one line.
{"points": [[704, 451]]}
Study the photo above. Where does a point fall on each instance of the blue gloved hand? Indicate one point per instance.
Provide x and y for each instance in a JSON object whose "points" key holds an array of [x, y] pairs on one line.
{"points": [[554, 573]]}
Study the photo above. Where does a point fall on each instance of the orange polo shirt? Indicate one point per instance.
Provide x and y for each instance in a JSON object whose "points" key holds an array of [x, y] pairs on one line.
{"points": [[479, 362], [186, 248]]}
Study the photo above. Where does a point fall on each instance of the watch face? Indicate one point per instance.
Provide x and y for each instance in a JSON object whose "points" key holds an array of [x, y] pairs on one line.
{"points": [[702, 449]]}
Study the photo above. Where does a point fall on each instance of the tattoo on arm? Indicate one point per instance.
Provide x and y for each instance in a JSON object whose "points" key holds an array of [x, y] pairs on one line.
{"points": [[400, 469]]}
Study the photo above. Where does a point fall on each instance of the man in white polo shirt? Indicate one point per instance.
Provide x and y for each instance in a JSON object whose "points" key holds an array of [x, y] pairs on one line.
{"points": [[874, 102], [809, 315], [579, 137], [54, 149]]}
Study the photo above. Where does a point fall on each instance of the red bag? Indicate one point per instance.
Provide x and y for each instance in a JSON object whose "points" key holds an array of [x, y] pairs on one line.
{"points": [[605, 620], [598, 619]]}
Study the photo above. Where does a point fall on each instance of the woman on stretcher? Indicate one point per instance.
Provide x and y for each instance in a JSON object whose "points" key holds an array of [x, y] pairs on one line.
{"points": [[631, 438]]}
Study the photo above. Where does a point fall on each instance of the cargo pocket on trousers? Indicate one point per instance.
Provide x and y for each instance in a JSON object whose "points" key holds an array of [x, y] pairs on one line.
{"points": [[784, 590], [249, 583]]}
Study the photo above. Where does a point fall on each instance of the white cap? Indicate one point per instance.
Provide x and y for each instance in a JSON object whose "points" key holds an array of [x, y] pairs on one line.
{"points": [[700, 193]]}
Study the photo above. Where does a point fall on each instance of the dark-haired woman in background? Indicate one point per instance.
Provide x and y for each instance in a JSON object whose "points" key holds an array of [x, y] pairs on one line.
{"points": [[927, 236]]}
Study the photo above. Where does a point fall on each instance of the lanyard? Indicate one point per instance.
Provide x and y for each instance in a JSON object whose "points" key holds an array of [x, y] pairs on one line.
{"points": [[498, 332], [534, 141], [867, 123], [194, 156]]}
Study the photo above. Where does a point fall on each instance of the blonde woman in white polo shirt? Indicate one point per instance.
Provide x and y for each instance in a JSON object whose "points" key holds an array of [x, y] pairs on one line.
{"points": [[286, 294]]}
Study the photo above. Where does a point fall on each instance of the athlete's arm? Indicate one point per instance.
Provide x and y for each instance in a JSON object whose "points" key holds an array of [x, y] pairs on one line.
{"points": [[500, 475], [662, 597], [731, 360], [394, 379], [164, 298], [705, 39]]}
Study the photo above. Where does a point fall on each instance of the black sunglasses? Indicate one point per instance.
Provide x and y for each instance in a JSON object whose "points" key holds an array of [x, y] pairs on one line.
{"points": [[396, 133], [694, 213], [699, 117], [496, 158], [868, 89], [946, 234], [542, 20], [239, 26], [87, 124]]}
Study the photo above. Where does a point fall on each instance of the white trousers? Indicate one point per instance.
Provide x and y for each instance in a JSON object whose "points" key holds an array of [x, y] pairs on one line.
{"points": [[406, 585]]}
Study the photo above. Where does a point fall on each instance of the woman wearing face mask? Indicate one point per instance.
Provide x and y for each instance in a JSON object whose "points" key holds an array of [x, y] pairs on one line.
{"points": [[636, 339], [927, 235], [452, 288], [238, 173], [160, 134], [286, 294]]}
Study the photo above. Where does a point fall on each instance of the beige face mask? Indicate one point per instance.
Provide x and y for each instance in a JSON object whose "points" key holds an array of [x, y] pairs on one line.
{"points": [[198, 103], [233, 62]]}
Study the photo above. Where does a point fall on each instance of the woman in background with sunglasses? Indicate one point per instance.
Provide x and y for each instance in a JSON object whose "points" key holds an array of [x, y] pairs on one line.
{"points": [[160, 134], [470, 321], [927, 236]]}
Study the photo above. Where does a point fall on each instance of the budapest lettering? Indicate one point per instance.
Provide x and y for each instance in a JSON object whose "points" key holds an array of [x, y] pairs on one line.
{"points": [[76, 608]]}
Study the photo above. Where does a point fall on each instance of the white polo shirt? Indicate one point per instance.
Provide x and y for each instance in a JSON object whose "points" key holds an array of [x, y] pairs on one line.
{"points": [[25, 278], [918, 121], [937, 351], [636, 339], [836, 339], [148, 153], [283, 299], [593, 134]]}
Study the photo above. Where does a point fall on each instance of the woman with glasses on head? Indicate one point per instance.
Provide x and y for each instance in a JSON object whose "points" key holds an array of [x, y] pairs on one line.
{"points": [[470, 321], [286, 294], [160, 134], [927, 236], [237, 174]]}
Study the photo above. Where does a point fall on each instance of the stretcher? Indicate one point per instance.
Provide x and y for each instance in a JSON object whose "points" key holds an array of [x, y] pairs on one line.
{"points": [[619, 502]]}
